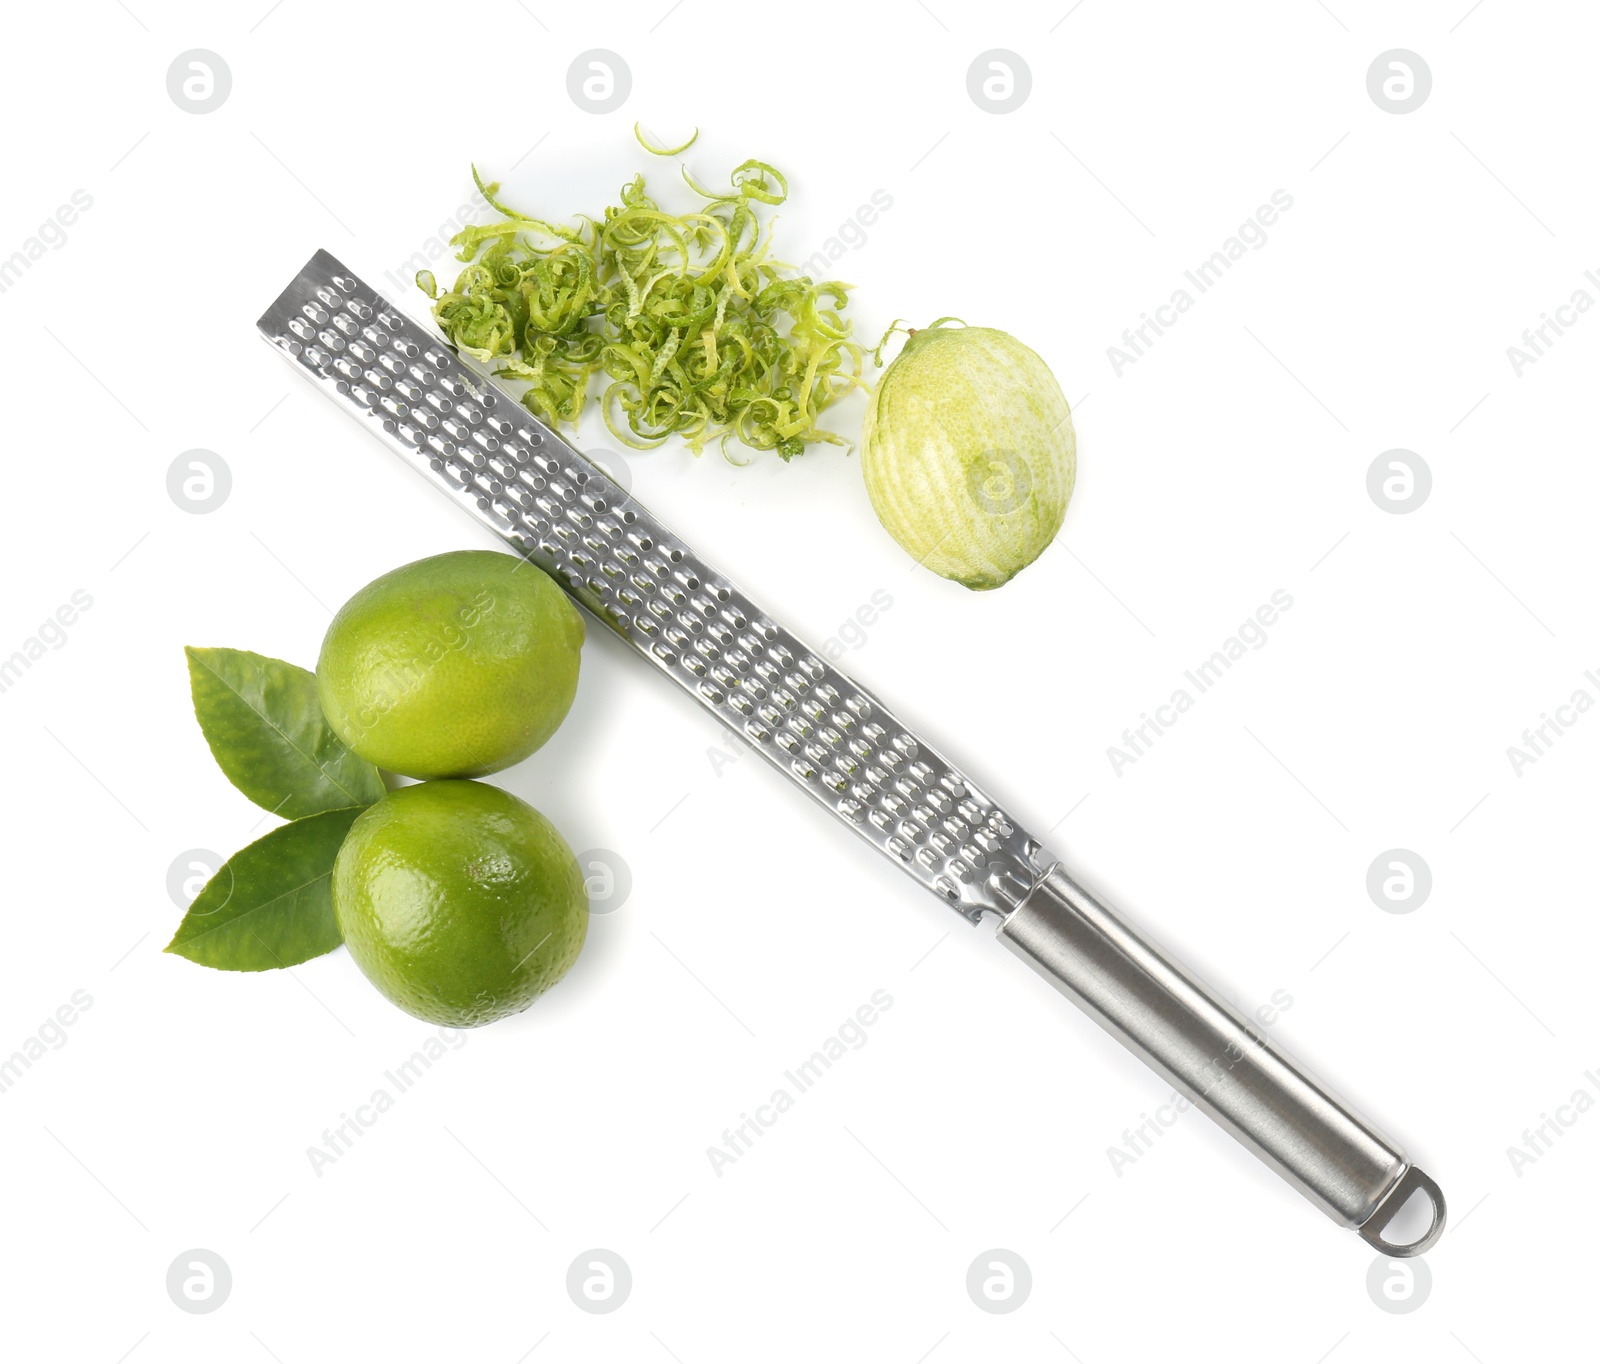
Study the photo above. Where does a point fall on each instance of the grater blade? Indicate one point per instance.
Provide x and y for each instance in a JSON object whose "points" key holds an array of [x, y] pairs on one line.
{"points": [[828, 735]]}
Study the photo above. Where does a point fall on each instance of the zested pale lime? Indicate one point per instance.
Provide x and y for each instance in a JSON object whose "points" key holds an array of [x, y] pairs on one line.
{"points": [[968, 453]]}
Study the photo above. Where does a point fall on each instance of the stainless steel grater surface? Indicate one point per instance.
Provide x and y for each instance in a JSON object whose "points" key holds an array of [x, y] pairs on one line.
{"points": [[829, 736], [528, 486]]}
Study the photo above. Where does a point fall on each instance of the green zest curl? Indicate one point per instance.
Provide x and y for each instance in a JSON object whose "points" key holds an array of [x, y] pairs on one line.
{"points": [[698, 331]]}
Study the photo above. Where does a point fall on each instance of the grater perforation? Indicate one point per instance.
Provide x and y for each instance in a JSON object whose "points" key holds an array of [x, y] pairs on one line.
{"points": [[564, 513]]}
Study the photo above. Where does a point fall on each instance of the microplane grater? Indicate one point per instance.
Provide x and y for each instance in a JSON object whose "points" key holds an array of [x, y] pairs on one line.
{"points": [[833, 738], [554, 506]]}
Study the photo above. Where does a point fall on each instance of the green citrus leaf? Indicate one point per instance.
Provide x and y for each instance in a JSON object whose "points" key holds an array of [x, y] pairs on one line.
{"points": [[270, 904], [264, 724]]}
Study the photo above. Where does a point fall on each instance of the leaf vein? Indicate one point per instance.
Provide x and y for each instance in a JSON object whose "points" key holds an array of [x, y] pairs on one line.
{"points": [[251, 909], [287, 739]]}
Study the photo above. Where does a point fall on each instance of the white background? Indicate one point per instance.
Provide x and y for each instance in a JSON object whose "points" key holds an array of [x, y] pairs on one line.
{"points": [[1228, 462]]}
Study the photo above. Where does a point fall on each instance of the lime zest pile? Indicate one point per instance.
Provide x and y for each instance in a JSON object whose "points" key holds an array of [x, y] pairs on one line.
{"points": [[700, 332]]}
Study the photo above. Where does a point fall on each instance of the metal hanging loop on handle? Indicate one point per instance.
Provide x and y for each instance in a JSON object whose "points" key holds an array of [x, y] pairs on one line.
{"points": [[1412, 1182], [1218, 1059]]}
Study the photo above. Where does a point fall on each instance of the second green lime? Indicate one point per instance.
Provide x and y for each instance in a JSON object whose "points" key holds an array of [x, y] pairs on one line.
{"points": [[460, 902], [454, 666]]}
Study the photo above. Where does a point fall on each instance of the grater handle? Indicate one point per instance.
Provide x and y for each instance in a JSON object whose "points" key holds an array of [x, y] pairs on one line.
{"points": [[1218, 1060]]}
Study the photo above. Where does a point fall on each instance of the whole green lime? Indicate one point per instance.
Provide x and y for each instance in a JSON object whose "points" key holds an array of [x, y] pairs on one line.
{"points": [[454, 666], [461, 903]]}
